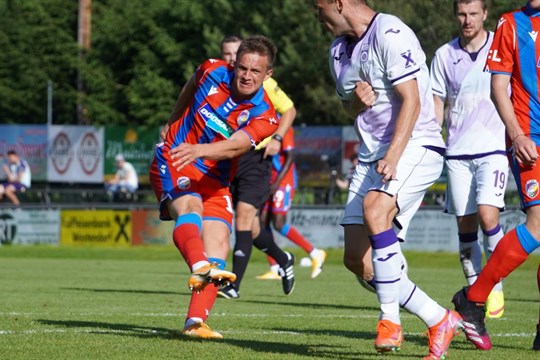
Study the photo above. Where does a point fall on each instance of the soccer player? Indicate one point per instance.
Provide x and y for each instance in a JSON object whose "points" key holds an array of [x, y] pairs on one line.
{"points": [[220, 113], [274, 212], [19, 177], [477, 166], [251, 187], [512, 60], [383, 82]]}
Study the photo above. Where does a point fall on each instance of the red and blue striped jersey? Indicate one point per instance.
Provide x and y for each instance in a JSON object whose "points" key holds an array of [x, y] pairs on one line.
{"points": [[213, 115], [515, 52]]}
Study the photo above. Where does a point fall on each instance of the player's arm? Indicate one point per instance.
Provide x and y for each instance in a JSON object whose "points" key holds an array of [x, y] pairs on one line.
{"points": [[438, 85], [439, 108], [184, 98], [364, 97], [524, 148], [406, 119], [285, 107], [237, 144], [289, 159], [285, 122]]}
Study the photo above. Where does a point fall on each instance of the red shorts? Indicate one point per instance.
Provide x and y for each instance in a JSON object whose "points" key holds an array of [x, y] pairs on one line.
{"points": [[281, 201], [527, 181], [169, 184]]}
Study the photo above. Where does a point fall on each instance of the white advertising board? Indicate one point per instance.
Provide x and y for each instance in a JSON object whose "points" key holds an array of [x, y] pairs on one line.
{"points": [[75, 154], [26, 227], [430, 230]]}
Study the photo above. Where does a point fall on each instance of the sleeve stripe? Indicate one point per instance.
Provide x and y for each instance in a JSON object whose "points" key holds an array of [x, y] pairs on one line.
{"points": [[404, 76]]}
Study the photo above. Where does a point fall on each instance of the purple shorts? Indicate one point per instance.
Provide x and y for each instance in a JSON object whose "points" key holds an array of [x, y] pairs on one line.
{"points": [[18, 186]]}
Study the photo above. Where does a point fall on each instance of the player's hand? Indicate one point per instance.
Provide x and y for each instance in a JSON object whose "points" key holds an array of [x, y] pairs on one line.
{"points": [[364, 96], [164, 131], [272, 148], [183, 155], [525, 150], [387, 169], [273, 188]]}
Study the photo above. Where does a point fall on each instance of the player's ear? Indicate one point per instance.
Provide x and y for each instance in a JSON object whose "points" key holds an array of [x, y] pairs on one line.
{"points": [[269, 73]]}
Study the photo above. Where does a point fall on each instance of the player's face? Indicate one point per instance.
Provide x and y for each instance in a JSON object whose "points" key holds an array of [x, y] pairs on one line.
{"points": [[250, 71], [228, 52], [470, 18], [329, 16], [534, 4]]}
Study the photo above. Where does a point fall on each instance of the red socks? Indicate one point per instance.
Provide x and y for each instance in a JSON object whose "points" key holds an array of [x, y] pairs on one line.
{"points": [[298, 239], [187, 239], [201, 303], [508, 255]]}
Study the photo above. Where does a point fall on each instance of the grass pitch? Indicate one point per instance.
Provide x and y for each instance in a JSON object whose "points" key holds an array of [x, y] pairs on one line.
{"points": [[74, 303]]}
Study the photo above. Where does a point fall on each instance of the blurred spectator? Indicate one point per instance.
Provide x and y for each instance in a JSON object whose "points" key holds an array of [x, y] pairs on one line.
{"points": [[125, 180], [343, 184], [18, 176]]}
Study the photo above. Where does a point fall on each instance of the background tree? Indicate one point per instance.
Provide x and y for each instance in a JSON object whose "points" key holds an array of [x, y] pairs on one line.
{"points": [[143, 51]]}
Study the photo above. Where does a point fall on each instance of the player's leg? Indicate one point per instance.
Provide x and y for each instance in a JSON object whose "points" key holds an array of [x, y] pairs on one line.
{"points": [[442, 323], [265, 219], [281, 204], [265, 242], [244, 217], [461, 198], [511, 251], [250, 190], [470, 251], [492, 178], [216, 229]]}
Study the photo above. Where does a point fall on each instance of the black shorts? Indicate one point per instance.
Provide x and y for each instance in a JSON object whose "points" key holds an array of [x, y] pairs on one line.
{"points": [[251, 183]]}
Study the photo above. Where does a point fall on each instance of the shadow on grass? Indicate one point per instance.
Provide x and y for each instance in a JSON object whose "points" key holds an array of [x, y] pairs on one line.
{"points": [[130, 291], [305, 305], [113, 328], [522, 300], [257, 346]]}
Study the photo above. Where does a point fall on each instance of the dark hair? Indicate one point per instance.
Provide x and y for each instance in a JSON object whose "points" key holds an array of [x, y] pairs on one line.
{"points": [[457, 2], [11, 152], [230, 39], [258, 44]]}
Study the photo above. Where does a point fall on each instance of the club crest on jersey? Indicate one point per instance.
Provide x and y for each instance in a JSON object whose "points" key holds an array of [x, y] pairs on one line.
{"points": [[242, 118], [364, 52], [214, 122], [531, 188], [183, 183]]}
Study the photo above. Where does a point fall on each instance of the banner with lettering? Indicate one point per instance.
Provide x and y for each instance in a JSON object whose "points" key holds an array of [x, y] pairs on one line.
{"points": [[136, 144], [29, 227], [96, 227], [30, 142], [75, 154]]}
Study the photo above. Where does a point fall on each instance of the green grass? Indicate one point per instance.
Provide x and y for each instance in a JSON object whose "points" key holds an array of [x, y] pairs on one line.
{"points": [[70, 303]]}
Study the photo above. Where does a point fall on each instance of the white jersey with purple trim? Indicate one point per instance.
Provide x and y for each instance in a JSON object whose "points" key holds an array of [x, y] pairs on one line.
{"points": [[388, 54], [474, 126]]}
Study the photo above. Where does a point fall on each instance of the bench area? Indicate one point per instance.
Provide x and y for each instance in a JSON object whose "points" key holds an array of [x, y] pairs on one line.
{"points": [[54, 193]]}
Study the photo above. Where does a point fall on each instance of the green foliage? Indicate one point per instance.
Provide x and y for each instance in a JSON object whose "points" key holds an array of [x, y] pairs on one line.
{"points": [[143, 51]]}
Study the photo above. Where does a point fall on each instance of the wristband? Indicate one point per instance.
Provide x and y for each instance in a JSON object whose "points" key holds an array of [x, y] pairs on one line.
{"points": [[515, 137], [277, 137]]}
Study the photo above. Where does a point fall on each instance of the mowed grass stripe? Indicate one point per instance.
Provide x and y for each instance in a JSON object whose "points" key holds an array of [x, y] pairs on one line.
{"points": [[69, 303]]}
